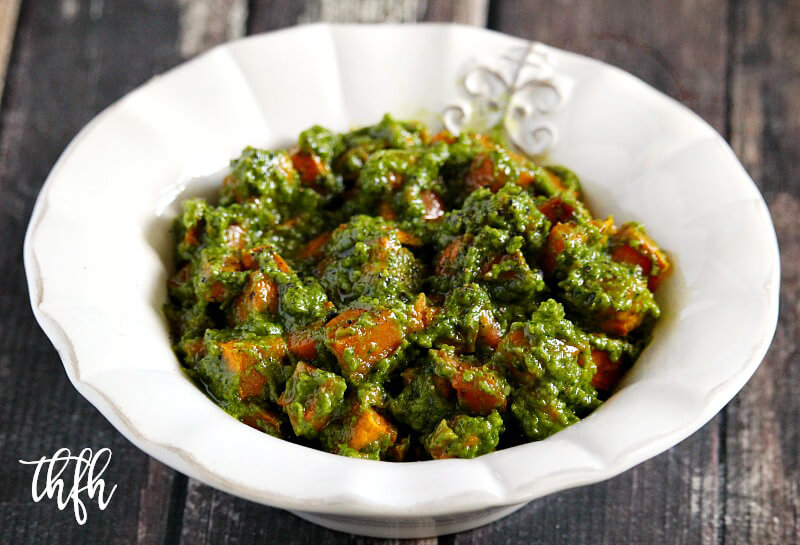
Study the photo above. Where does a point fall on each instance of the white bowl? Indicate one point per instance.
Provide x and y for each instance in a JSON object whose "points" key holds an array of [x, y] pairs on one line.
{"points": [[97, 256]]}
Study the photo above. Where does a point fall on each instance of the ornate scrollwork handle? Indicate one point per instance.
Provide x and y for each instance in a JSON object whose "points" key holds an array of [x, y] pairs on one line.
{"points": [[516, 91]]}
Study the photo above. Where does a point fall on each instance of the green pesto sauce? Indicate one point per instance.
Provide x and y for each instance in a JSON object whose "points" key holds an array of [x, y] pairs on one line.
{"points": [[391, 294]]}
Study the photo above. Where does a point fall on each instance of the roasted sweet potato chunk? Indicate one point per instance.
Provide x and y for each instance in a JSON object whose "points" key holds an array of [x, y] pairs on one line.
{"points": [[360, 338], [632, 245]]}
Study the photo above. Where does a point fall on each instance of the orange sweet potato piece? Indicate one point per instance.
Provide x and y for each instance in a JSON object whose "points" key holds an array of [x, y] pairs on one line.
{"points": [[422, 315], [637, 248], [444, 136], [621, 323], [475, 398], [557, 242], [309, 166], [249, 262], [369, 344], [447, 258], [250, 259], [263, 420], [370, 427], [216, 292], [315, 247], [556, 210], [282, 265], [242, 362], [385, 211], [481, 174], [489, 330], [407, 239], [303, 343], [434, 206], [260, 294], [192, 236], [609, 372], [556, 179], [345, 318], [395, 179], [480, 393]]}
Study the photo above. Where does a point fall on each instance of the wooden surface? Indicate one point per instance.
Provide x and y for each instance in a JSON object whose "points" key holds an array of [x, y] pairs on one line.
{"points": [[9, 10], [734, 62]]}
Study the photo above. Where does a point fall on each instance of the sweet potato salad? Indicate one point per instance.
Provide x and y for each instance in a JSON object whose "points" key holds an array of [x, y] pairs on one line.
{"points": [[393, 294]]}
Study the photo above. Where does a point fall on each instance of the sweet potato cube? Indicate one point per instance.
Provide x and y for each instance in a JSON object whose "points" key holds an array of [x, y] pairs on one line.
{"points": [[479, 388], [561, 235], [635, 247], [241, 361], [620, 323], [371, 427], [310, 398], [556, 209], [434, 206], [360, 338], [215, 279], [482, 174], [489, 331], [262, 420], [609, 372], [422, 315], [260, 295], [446, 262], [303, 343], [309, 166], [241, 370], [315, 247]]}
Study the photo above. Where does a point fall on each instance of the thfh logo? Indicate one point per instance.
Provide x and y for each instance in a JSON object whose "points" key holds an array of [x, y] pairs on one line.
{"points": [[87, 470]]}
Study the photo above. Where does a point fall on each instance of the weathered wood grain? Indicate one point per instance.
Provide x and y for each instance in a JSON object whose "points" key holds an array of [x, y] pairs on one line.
{"points": [[468, 12], [679, 47], [9, 10], [156, 493], [362, 11], [216, 517], [206, 23], [70, 60], [268, 15], [761, 501]]}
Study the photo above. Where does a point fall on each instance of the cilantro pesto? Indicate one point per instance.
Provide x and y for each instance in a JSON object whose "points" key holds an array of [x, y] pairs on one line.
{"points": [[396, 295]]}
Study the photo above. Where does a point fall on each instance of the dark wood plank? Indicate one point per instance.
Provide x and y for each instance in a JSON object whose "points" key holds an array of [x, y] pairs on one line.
{"points": [[219, 518], [763, 463], [673, 498], [679, 47], [206, 23], [268, 15], [9, 10], [69, 61], [468, 12]]}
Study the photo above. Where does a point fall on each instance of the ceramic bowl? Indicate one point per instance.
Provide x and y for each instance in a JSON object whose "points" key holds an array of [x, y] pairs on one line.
{"points": [[98, 253]]}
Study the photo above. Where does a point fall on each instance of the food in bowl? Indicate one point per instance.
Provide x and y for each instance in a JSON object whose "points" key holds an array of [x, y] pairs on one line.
{"points": [[393, 294]]}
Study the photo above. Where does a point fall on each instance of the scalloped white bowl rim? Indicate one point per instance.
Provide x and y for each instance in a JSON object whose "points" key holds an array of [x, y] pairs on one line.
{"points": [[324, 483]]}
